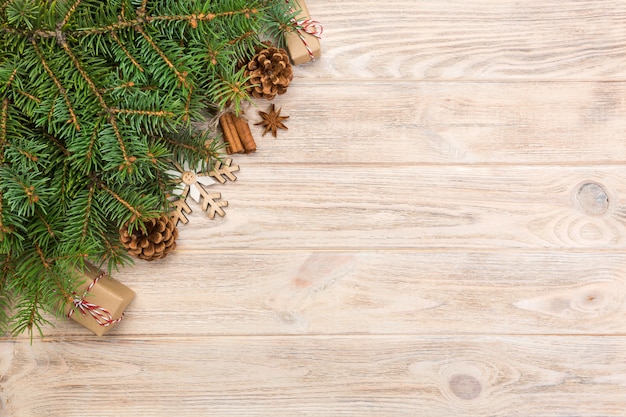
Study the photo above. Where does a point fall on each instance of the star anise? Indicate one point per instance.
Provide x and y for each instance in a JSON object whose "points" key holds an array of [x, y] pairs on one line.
{"points": [[272, 121]]}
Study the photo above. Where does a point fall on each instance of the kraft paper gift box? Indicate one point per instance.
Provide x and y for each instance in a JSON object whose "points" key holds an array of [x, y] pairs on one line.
{"points": [[99, 302], [296, 46]]}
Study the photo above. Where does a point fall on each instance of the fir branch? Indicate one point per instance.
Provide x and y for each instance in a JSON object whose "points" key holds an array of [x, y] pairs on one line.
{"points": [[92, 142], [57, 143], [29, 96], [247, 35], [194, 18], [85, 76], [160, 113], [128, 160], [115, 27], [92, 190], [126, 52], [32, 157], [69, 14], [3, 127], [5, 4], [11, 77], [46, 224], [182, 77], [142, 9], [62, 90], [137, 215], [29, 34], [42, 257]]}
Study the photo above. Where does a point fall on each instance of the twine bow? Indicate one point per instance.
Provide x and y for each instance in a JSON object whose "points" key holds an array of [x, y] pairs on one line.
{"points": [[101, 315], [312, 27]]}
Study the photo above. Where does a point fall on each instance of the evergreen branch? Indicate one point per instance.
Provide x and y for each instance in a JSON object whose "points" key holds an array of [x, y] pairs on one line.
{"points": [[194, 18], [243, 37], [29, 96], [28, 155], [3, 229], [58, 84], [69, 14], [182, 77], [85, 76], [160, 113], [11, 77], [125, 50], [3, 127], [34, 34], [123, 10], [92, 142], [7, 271], [29, 190], [116, 27], [46, 224], [42, 257], [142, 9], [5, 4], [136, 213], [52, 107], [32, 317], [58, 144], [119, 87], [92, 190], [128, 160], [142, 19], [188, 103], [198, 150], [84, 85]]}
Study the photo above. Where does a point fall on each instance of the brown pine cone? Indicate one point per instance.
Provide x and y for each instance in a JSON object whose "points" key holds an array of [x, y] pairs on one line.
{"points": [[156, 243], [270, 73]]}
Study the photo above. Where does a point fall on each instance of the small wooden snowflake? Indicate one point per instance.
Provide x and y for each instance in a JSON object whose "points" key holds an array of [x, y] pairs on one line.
{"points": [[192, 184]]}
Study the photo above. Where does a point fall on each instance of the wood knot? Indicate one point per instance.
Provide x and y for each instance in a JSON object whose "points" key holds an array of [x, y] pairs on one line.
{"points": [[466, 387], [592, 199]]}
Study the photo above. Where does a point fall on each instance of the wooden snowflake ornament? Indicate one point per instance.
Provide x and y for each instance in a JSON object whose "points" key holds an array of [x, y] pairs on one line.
{"points": [[224, 170], [192, 183]]}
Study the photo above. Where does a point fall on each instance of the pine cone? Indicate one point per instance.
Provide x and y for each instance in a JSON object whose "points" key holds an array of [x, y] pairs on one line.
{"points": [[156, 243], [270, 73]]}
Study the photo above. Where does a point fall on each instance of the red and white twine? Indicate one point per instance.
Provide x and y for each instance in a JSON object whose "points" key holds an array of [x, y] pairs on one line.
{"points": [[101, 315], [312, 27]]}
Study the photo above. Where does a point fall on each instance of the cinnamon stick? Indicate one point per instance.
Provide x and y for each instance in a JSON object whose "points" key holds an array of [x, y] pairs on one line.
{"points": [[245, 135], [230, 134]]}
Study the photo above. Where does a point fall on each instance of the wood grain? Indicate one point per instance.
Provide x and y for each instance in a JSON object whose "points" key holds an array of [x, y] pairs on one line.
{"points": [[440, 232], [377, 293], [323, 376], [381, 122], [413, 207], [471, 40]]}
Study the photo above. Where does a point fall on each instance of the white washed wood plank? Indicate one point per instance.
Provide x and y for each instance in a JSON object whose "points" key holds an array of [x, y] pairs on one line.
{"points": [[284, 207], [323, 376], [382, 293], [470, 39], [446, 122]]}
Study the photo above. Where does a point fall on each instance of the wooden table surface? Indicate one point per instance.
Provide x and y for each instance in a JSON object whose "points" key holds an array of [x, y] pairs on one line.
{"points": [[440, 232]]}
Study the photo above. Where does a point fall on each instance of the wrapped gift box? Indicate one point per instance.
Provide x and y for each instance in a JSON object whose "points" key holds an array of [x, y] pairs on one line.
{"points": [[99, 302], [297, 41]]}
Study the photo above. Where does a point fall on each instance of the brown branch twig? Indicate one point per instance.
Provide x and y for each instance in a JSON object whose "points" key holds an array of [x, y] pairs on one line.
{"points": [[3, 127], [69, 14]]}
